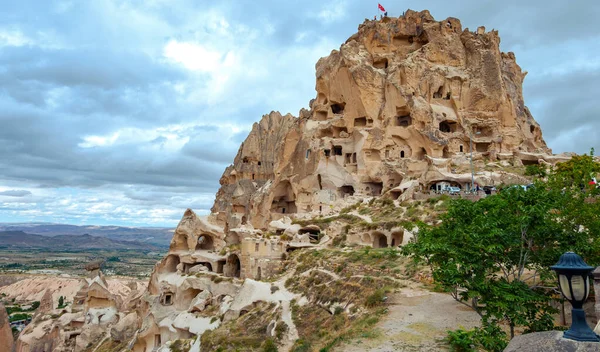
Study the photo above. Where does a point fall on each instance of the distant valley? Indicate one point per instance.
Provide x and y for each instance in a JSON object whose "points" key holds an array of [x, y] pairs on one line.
{"points": [[154, 236], [26, 241]]}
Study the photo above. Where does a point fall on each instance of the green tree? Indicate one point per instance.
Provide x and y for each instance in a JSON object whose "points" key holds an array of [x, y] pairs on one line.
{"points": [[61, 302], [494, 255]]}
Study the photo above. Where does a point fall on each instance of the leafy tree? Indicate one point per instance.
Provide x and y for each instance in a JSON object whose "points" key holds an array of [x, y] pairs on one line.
{"points": [[535, 170], [61, 302], [494, 255]]}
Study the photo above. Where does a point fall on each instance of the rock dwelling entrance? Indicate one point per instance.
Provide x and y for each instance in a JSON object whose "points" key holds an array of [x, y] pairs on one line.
{"points": [[205, 242], [171, 263], [379, 240], [284, 199], [397, 238], [233, 266]]}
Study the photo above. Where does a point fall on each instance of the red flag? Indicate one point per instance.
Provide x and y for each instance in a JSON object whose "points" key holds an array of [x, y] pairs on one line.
{"points": [[381, 7]]}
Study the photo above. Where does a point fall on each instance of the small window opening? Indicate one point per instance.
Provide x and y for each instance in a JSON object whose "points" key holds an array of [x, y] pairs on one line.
{"points": [[438, 94], [402, 154], [461, 148], [282, 210], [448, 95], [245, 160], [348, 158], [259, 163], [531, 128], [347, 190], [327, 152], [253, 176], [360, 122], [337, 108], [354, 158], [403, 121], [168, 299], [337, 150], [307, 153]]}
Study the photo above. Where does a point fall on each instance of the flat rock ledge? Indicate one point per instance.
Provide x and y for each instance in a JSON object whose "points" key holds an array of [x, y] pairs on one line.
{"points": [[549, 341]]}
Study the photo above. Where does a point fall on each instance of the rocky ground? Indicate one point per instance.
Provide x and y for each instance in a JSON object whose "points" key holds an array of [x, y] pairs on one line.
{"points": [[417, 320]]}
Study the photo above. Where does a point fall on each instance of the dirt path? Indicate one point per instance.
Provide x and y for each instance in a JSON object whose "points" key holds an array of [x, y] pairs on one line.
{"points": [[417, 321]]}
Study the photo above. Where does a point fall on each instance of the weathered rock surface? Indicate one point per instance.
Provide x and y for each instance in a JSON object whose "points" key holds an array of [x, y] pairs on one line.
{"points": [[399, 101], [6, 338], [549, 341]]}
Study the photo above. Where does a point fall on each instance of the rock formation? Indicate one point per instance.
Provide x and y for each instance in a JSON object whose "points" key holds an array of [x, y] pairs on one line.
{"points": [[397, 111], [401, 101], [6, 337]]}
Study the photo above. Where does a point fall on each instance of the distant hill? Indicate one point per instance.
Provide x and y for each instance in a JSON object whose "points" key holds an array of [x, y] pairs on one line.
{"points": [[152, 235], [22, 240]]}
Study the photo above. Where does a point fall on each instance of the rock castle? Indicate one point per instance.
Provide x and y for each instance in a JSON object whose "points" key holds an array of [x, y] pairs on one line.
{"points": [[404, 107]]}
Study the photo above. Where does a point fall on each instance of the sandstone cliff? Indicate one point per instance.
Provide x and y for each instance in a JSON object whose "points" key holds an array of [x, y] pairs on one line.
{"points": [[399, 101]]}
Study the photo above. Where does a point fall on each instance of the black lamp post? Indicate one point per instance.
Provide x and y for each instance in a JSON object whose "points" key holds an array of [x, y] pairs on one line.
{"points": [[574, 284]]}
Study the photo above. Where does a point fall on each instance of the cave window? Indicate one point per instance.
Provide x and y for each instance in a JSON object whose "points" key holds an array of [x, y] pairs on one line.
{"points": [[259, 163], [244, 220], [327, 152], [403, 121], [157, 340], [282, 210], [307, 153], [381, 63], [337, 150], [337, 108], [461, 148], [347, 190], [531, 128], [348, 159], [168, 299], [245, 160], [438, 94], [402, 154], [447, 126], [354, 158], [360, 121], [253, 176], [448, 95]]}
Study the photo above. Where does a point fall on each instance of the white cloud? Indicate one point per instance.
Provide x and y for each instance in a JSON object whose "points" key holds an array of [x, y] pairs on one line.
{"points": [[14, 38]]}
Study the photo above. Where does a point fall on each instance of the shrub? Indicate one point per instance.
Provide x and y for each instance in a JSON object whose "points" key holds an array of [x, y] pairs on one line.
{"points": [[269, 346], [376, 298]]}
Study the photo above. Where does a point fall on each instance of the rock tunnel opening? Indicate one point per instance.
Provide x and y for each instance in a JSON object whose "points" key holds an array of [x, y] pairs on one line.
{"points": [[379, 240], [381, 63], [482, 147], [233, 266], [403, 121], [346, 190], [373, 188], [448, 126], [171, 263], [338, 108], [337, 150], [360, 122], [397, 238], [205, 242]]}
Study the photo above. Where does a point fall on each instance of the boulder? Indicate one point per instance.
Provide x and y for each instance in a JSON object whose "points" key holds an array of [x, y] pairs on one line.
{"points": [[197, 269], [125, 328]]}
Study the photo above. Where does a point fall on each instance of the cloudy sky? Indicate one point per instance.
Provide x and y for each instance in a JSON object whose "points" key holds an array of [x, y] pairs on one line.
{"points": [[127, 112]]}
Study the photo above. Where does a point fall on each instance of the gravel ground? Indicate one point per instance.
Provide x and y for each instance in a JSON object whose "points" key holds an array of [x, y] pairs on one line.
{"points": [[417, 321]]}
